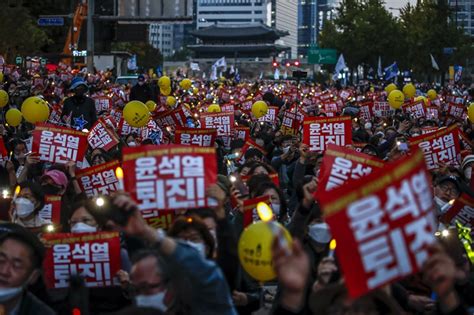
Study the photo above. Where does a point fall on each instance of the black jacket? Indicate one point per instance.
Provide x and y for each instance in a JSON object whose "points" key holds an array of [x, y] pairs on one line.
{"points": [[142, 93], [80, 107], [31, 305]]}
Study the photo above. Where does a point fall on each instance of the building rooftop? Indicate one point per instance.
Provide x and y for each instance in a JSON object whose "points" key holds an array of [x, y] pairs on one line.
{"points": [[244, 31]]}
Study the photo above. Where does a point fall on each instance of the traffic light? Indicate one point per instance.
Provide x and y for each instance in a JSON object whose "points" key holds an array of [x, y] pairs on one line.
{"points": [[274, 63], [288, 64], [297, 63]]}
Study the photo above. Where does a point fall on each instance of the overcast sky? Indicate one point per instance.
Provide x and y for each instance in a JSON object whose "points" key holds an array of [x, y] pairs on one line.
{"points": [[397, 4]]}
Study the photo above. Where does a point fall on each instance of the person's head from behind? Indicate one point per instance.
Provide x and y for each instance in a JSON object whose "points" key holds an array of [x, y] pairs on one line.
{"points": [[84, 219], [150, 280], [21, 256], [195, 233], [29, 202]]}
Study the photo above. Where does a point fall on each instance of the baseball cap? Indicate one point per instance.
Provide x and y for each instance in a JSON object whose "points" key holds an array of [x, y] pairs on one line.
{"points": [[58, 177], [77, 81], [141, 77], [8, 229]]}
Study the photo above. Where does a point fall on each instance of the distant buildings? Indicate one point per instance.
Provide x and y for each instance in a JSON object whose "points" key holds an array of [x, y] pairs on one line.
{"points": [[464, 14]]}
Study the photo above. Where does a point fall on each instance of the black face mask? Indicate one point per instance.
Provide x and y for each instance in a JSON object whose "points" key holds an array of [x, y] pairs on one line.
{"points": [[50, 189]]}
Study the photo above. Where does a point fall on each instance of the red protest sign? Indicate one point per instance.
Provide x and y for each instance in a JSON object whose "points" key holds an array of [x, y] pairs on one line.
{"points": [[318, 132], [59, 144], [96, 256], [169, 177], [415, 110], [222, 122], [102, 103], [193, 136], [271, 115], [51, 211], [462, 210], [432, 112], [426, 130], [366, 110], [125, 129], [382, 110], [290, 124], [439, 147], [3, 150], [456, 110], [241, 133], [101, 137], [383, 224], [250, 209], [99, 179], [341, 165]]}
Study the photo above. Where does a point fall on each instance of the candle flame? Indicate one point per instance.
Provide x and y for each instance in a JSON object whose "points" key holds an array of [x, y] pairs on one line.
{"points": [[264, 212], [119, 173]]}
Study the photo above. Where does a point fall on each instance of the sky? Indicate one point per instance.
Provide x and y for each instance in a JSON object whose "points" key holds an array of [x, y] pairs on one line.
{"points": [[397, 4]]}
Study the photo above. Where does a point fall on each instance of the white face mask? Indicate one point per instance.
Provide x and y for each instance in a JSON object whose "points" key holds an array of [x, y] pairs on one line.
{"points": [[7, 294], [286, 149], [467, 172], [319, 232], [81, 227], [156, 301], [198, 246], [23, 207], [275, 208], [440, 202], [368, 125]]}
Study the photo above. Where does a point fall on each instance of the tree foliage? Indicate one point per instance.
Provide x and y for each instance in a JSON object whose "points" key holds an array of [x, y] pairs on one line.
{"points": [[147, 56], [18, 32], [364, 30]]}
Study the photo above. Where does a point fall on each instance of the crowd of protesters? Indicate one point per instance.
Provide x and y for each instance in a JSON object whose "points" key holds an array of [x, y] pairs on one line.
{"points": [[193, 267]]}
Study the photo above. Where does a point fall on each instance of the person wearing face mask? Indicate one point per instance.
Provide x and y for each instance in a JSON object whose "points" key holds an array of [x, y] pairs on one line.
{"points": [[446, 188], [21, 257], [141, 91], [79, 111], [277, 200], [54, 182], [26, 206], [466, 166]]}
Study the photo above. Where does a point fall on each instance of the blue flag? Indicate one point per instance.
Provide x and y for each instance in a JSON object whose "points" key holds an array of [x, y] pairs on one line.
{"points": [[391, 71]]}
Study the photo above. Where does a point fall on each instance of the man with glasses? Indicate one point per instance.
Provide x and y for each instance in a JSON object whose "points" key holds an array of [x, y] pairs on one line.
{"points": [[446, 189]]}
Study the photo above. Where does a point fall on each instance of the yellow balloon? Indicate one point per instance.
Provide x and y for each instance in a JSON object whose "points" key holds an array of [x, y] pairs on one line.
{"points": [[3, 98], [170, 101], [409, 90], [470, 113], [389, 88], [136, 114], [432, 95], [195, 90], [151, 105], [372, 89], [13, 117], [421, 98], [259, 109], [214, 108], [185, 84], [164, 82], [255, 250], [35, 109], [165, 91], [396, 99]]}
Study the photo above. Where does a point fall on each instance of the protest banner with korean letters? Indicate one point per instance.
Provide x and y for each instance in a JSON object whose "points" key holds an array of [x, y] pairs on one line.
{"points": [[99, 179], [169, 177], [330, 108], [95, 256], [382, 110], [383, 224], [124, 129], [290, 125], [462, 211], [456, 110], [439, 147], [241, 132], [432, 112], [415, 110], [227, 108], [271, 115], [163, 220], [3, 150], [51, 211], [194, 136], [101, 137], [58, 144], [102, 103], [366, 110], [341, 165], [222, 122], [318, 132]]}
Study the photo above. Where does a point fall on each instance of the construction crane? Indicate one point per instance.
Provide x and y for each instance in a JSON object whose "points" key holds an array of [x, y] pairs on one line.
{"points": [[72, 39]]}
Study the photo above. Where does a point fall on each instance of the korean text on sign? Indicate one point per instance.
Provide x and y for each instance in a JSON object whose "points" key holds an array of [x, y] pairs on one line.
{"points": [[222, 122], [440, 147], [94, 256], [99, 179], [318, 132], [101, 137], [169, 177], [383, 224], [59, 145], [193, 136], [341, 165]]}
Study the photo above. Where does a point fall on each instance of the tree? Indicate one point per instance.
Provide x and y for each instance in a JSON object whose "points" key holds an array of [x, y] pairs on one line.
{"points": [[19, 34], [362, 31]]}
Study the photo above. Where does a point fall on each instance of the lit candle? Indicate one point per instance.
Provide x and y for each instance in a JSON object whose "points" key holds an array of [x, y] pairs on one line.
{"points": [[332, 247], [447, 206], [119, 175]]}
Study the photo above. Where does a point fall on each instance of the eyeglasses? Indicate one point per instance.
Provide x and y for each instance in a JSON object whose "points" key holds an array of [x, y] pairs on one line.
{"points": [[449, 189], [144, 288]]}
